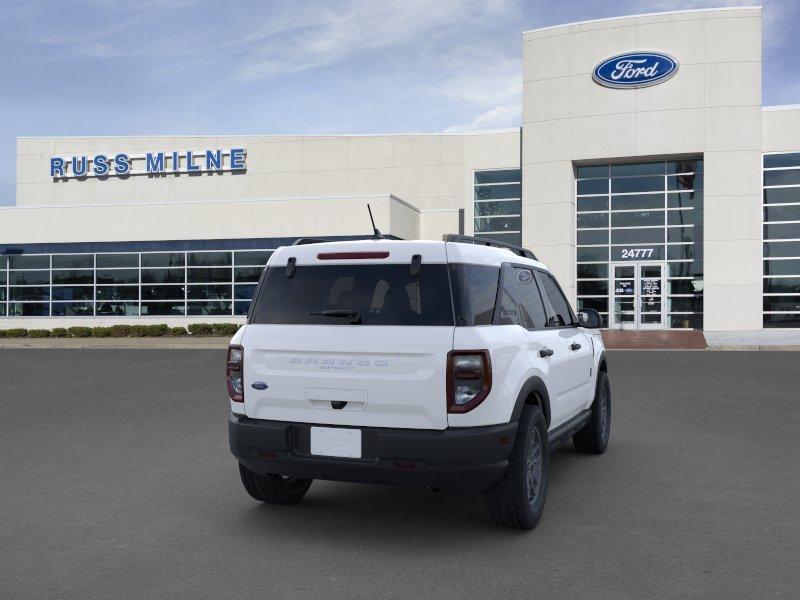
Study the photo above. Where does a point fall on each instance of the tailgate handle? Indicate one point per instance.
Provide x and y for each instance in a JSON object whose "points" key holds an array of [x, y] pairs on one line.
{"points": [[338, 404]]}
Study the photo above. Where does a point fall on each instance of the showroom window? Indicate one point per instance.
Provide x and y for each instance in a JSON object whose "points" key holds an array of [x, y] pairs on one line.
{"points": [[130, 284], [640, 243], [498, 205], [781, 299]]}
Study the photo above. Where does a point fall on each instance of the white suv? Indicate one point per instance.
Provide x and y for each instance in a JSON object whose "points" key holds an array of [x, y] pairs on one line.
{"points": [[453, 364]]}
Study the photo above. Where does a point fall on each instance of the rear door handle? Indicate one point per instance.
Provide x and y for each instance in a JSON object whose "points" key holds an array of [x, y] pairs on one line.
{"points": [[575, 346], [545, 352]]}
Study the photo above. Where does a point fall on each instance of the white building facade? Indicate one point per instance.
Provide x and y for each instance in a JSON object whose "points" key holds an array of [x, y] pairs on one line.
{"points": [[657, 187]]}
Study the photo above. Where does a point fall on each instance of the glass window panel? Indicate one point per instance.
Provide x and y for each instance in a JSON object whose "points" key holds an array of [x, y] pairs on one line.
{"points": [[531, 305], [162, 292], [162, 308], [113, 261], [498, 176], [2, 277], [84, 292], [637, 202], [505, 207], [117, 292], [598, 304], [680, 234], [782, 303], [562, 314], [2, 294], [247, 273], [508, 238], [498, 224], [23, 261], [592, 236], [592, 271], [597, 203], [694, 304], [28, 309], [774, 321], [244, 292], [29, 277], [649, 168], [72, 309], [782, 267], [787, 177], [684, 199], [209, 308], [782, 285], [117, 309], [782, 213], [592, 220], [251, 257], [494, 192], [686, 321], [73, 261], [684, 166], [209, 259], [163, 259], [209, 292], [163, 276], [679, 252], [685, 286], [474, 293], [637, 219], [638, 252], [593, 288], [681, 269], [782, 195], [586, 171], [73, 277], [637, 236], [684, 217], [789, 159], [636, 184], [241, 307], [117, 276], [3, 309], [684, 182], [782, 231], [592, 254], [3, 262], [209, 275], [29, 293], [780, 249], [592, 186]]}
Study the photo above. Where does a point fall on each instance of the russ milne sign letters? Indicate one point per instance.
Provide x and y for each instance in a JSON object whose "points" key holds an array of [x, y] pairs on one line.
{"points": [[635, 70], [150, 163]]}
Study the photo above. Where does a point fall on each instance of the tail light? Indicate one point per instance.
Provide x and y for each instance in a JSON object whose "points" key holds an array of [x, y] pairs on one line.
{"points": [[235, 373], [469, 379]]}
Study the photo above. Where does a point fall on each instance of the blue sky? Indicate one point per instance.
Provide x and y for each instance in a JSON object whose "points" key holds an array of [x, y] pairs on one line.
{"points": [[105, 67]]}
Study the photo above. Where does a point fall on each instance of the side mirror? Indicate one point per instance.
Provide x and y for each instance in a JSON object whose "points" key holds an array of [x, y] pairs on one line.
{"points": [[590, 319]]}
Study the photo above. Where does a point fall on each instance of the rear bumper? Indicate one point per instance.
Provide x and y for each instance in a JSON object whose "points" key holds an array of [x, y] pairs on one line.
{"points": [[469, 459]]}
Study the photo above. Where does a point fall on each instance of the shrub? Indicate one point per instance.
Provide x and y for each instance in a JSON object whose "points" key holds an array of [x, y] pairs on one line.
{"points": [[138, 330], [80, 332], [120, 330], [16, 332], [226, 329], [201, 329], [156, 330], [101, 332], [38, 333], [59, 332], [177, 331], [2, 333]]}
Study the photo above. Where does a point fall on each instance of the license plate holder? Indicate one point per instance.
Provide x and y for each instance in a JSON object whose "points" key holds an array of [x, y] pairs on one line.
{"points": [[340, 442]]}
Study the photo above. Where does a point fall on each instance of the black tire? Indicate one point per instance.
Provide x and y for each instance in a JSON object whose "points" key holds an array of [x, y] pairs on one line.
{"points": [[593, 438], [274, 489], [518, 500]]}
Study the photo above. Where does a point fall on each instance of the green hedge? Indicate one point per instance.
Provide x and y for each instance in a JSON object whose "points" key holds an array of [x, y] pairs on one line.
{"points": [[160, 330]]}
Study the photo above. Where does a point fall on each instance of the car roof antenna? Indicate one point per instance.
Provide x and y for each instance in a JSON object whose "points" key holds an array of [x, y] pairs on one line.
{"points": [[376, 234]]}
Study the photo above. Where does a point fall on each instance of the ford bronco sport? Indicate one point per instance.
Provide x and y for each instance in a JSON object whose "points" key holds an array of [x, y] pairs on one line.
{"points": [[456, 364]]}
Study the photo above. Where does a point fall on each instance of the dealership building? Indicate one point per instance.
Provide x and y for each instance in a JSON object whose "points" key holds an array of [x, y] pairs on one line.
{"points": [[646, 174]]}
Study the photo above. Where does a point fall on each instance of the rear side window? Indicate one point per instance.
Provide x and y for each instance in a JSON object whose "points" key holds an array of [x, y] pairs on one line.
{"points": [[380, 294], [530, 300], [507, 305], [562, 313], [474, 293]]}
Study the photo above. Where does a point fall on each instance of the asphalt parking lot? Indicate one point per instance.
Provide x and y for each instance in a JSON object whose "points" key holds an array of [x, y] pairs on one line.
{"points": [[116, 482]]}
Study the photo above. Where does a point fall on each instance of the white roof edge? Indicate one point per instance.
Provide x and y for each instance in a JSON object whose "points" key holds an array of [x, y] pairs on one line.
{"points": [[652, 14], [264, 135], [782, 107]]}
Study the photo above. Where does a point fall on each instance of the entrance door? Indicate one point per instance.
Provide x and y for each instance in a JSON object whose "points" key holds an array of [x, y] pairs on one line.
{"points": [[637, 295]]}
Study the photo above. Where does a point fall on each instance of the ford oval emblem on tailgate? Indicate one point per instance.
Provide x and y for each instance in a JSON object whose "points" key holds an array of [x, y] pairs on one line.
{"points": [[259, 385]]}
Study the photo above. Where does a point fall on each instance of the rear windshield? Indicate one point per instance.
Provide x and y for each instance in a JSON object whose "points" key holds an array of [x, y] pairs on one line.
{"points": [[350, 294]]}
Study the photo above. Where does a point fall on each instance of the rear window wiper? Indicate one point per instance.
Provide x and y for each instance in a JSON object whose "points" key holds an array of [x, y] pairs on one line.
{"points": [[349, 313]]}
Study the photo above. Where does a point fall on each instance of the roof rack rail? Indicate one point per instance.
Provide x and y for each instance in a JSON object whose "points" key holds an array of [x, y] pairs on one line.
{"points": [[468, 239], [309, 240]]}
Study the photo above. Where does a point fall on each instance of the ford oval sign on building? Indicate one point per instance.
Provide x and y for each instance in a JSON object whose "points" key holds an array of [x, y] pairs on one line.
{"points": [[635, 70]]}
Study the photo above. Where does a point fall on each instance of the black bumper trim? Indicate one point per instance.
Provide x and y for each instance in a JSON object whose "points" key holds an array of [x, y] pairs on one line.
{"points": [[472, 458]]}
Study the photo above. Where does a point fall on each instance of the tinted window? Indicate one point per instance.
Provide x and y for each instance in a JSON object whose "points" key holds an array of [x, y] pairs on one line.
{"points": [[562, 313], [381, 294], [507, 313], [474, 293], [530, 300]]}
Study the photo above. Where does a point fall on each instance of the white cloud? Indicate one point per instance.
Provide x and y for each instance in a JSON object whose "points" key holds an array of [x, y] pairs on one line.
{"points": [[497, 117]]}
